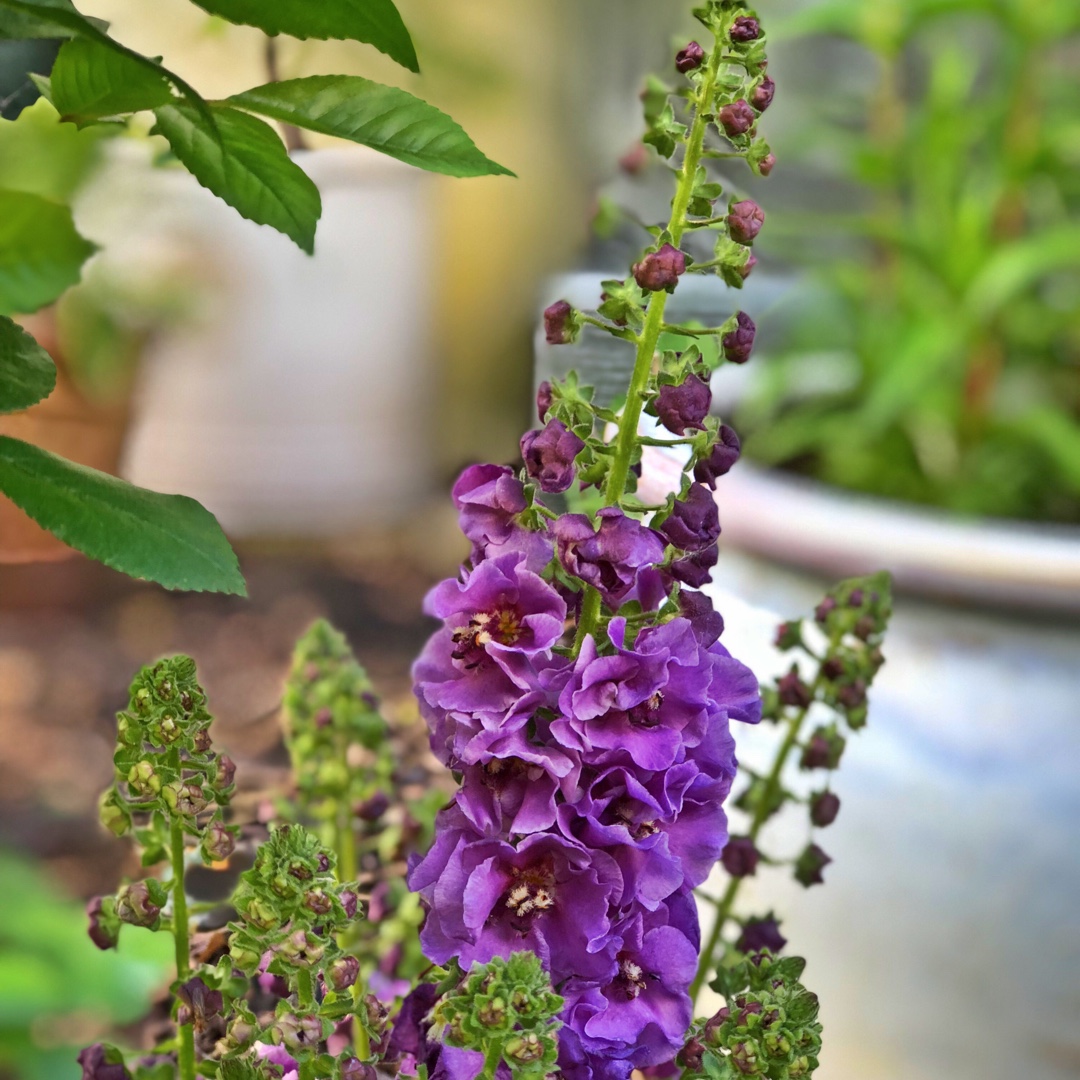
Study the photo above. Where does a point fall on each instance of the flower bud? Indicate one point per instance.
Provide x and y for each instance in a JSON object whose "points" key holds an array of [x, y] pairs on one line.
{"points": [[824, 806], [694, 522], [348, 900], [103, 1062], [549, 455], [793, 691], [744, 221], [543, 400], [187, 798], [745, 28], [690, 58], [809, 865], [765, 165], [762, 94], [372, 809], [739, 343], [355, 1069], [788, 636], [824, 610], [740, 857], [343, 972], [561, 324], [660, 270], [722, 457], [218, 842], [761, 934], [111, 814], [853, 694], [691, 1056], [226, 773], [297, 1032], [684, 406], [143, 779], [737, 118], [104, 929], [824, 750], [525, 1048], [318, 902], [134, 905]]}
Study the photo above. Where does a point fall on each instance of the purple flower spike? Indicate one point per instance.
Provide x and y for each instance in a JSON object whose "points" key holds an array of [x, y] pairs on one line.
{"points": [[561, 325], [745, 28], [660, 270], [549, 455], [737, 118], [740, 342], [684, 406], [694, 523], [744, 221], [721, 458], [609, 558], [762, 95], [690, 58]]}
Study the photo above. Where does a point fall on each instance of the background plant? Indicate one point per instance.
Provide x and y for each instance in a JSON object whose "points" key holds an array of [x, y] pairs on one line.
{"points": [[935, 356], [241, 159]]}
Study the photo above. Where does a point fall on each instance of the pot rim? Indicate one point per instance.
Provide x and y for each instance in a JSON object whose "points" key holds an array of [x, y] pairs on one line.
{"points": [[803, 522]]}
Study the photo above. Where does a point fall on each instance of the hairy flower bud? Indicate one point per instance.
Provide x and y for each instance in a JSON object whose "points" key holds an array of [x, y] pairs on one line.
{"points": [[744, 221], [684, 406], [549, 455], [104, 929], [740, 857], [143, 779], [297, 1032], [561, 324], [745, 28], [762, 95], [693, 56], [824, 806], [694, 522], [739, 343], [343, 972], [348, 900], [660, 270], [737, 118], [218, 842], [226, 773], [111, 814], [134, 905], [722, 457]]}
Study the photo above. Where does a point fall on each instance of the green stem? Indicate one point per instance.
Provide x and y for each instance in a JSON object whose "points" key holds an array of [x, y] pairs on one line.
{"points": [[345, 843], [491, 1062], [589, 617], [186, 1032]]}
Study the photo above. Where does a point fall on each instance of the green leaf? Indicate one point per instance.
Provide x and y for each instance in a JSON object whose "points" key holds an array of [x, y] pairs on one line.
{"points": [[242, 160], [35, 19], [41, 254], [90, 81], [375, 22], [382, 117], [27, 373], [169, 539]]}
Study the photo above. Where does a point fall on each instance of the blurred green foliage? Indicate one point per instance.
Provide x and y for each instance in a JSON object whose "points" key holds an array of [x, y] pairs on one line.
{"points": [[944, 295], [57, 990]]}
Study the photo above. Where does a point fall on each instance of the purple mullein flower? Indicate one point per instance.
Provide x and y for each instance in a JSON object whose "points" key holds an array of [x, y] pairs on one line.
{"points": [[739, 343], [737, 118], [695, 569], [684, 406], [610, 557], [660, 270], [725, 452], [706, 622], [694, 522], [745, 28], [744, 221], [761, 934], [549, 455], [561, 326]]}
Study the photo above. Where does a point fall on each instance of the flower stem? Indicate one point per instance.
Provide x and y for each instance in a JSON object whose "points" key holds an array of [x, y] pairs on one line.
{"points": [[345, 844], [185, 1032], [491, 1062]]}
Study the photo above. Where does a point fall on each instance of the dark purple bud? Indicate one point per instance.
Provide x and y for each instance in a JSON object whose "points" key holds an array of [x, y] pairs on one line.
{"points": [[706, 623], [737, 118], [323, 863], [543, 400], [725, 452], [319, 902], [355, 1069], [788, 635], [745, 28], [856, 598], [693, 56], [809, 865], [762, 96], [824, 750], [134, 906], [104, 929], [218, 842], [744, 221], [739, 343], [691, 1056], [549, 455], [793, 691], [561, 326], [824, 610], [824, 806], [694, 569], [694, 523], [740, 857], [202, 741], [765, 165], [372, 809], [102, 1062], [199, 1004], [323, 717], [226, 773], [853, 695], [864, 627], [660, 270], [684, 406], [343, 972], [348, 900], [833, 668], [761, 934]]}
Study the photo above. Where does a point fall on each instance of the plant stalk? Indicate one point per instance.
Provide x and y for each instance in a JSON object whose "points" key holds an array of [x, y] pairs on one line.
{"points": [[185, 1032]]}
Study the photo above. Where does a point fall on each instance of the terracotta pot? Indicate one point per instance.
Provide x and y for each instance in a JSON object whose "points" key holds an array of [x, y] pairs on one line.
{"points": [[68, 424]]}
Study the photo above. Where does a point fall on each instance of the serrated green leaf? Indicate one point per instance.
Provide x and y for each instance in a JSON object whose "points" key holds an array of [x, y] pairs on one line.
{"points": [[376, 22], [383, 117], [169, 539], [90, 81], [27, 373], [41, 254], [242, 161]]}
